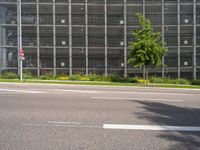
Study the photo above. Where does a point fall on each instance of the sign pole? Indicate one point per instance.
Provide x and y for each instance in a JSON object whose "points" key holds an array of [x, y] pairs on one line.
{"points": [[21, 57], [20, 41], [21, 69]]}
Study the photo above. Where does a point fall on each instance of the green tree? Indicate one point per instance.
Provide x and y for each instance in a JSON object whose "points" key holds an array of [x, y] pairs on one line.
{"points": [[147, 48]]}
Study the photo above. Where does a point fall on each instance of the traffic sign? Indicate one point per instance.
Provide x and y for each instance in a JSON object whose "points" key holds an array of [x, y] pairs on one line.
{"points": [[21, 53]]}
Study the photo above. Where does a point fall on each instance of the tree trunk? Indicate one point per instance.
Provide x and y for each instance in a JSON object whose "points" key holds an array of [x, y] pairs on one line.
{"points": [[147, 75], [144, 72]]}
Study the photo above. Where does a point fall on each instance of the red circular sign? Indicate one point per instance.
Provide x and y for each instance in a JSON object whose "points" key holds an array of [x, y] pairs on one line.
{"points": [[21, 53]]}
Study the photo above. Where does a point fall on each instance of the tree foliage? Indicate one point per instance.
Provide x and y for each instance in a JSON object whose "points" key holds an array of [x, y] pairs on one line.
{"points": [[147, 48]]}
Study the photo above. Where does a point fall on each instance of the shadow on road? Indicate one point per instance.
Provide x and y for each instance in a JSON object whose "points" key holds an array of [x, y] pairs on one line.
{"points": [[164, 114]]}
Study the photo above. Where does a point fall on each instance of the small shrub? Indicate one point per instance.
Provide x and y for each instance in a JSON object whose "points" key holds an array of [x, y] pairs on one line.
{"points": [[195, 82], [133, 80], [169, 81], [48, 76], [114, 78], [156, 80], [75, 77], [183, 81], [125, 79], [96, 77], [178, 81], [9, 75], [102, 78], [27, 75], [63, 78], [143, 81], [85, 78], [92, 77], [44, 77]]}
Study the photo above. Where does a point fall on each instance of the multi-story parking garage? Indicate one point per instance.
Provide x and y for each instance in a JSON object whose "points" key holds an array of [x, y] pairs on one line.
{"points": [[92, 36]]}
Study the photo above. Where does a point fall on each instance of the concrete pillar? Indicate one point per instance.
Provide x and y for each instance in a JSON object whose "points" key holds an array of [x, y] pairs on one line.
{"points": [[125, 38], [86, 34], [54, 38], [70, 37], [179, 41], [106, 39], [38, 40], [195, 42], [163, 36]]}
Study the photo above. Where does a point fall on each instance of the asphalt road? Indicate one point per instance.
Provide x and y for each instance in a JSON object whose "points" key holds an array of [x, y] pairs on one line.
{"points": [[72, 117]]}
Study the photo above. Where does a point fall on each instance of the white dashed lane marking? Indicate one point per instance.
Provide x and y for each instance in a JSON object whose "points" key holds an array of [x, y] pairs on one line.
{"points": [[150, 127], [117, 126], [62, 122], [137, 99], [22, 91]]}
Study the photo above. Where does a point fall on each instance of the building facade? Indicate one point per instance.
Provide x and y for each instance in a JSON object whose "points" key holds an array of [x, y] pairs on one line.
{"points": [[92, 36]]}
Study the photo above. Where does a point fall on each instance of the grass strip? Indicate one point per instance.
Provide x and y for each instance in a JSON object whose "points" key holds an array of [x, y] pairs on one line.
{"points": [[99, 83]]}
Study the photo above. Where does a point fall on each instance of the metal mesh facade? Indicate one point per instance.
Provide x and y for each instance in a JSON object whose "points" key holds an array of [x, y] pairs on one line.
{"points": [[92, 36]]}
